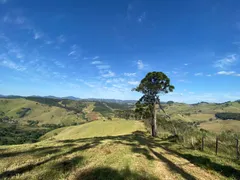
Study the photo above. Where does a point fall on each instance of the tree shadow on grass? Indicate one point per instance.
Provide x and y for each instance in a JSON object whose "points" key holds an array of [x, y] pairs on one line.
{"points": [[11, 173], [43, 151], [173, 167], [135, 141], [107, 173], [206, 163]]}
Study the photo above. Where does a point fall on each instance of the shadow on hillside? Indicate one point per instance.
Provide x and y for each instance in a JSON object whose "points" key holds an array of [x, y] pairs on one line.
{"points": [[137, 141], [206, 163], [29, 167], [36, 151], [103, 173]]}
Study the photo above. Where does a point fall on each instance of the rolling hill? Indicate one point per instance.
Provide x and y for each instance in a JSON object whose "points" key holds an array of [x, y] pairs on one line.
{"points": [[115, 152]]}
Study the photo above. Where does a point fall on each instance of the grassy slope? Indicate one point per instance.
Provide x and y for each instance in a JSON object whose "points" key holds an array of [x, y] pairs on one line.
{"points": [[203, 112], [94, 129], [41, 112], [220, 125], [122, 150]]}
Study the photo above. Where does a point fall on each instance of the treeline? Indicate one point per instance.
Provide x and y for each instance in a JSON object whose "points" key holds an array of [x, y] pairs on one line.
{"points": [[56, 102], [14, 135], [227, 115]]}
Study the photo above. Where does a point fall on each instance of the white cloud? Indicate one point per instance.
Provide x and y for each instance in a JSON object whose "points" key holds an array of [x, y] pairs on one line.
{"points": [[61, 39], [226, 62], [103, 67], [133, 82], [198, 74], [184, 81], [96, 62], [115, 80], [7, 19], [209, 75], [59, 64], [12, 65], [48, 42], [140, 64], [237, 74], [174, 72], [226, 72], [20, 20], [142, 17], [37, 35], [186, 64], [71, 53], [129, 74], [107, 74], [96, 57]]}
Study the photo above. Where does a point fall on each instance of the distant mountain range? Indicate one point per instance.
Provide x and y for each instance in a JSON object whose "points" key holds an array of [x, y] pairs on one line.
{"points": [[96, 99], [74, 98]]}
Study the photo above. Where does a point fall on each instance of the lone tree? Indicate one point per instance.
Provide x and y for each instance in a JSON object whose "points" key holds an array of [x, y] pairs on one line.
{"points": [[154, 84]]}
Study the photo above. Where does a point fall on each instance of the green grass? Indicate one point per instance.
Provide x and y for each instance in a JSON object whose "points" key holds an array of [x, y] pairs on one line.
{"points": [[43, 113], [95, 129], [120, 150]]}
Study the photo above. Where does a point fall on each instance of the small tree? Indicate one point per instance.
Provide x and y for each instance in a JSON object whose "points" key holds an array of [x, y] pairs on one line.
{"points": [[151, 86]]}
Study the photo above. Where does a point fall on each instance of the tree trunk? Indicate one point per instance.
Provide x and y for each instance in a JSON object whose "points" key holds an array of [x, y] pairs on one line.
{"points": [[154, 122]]}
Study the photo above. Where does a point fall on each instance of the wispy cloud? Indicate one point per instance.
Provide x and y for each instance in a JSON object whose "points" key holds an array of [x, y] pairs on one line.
{"points": [[96, 62], [75, 52], [184, 81], [12, 65], [37, 35], [59, 64], [209, 75], [226, 72], [107, 73], [61, 39], [104, 66], [48, 42], [129, 74], [91, 85], [140, 64], [133, 82], [115, 80], [226, 62], [3, 1], [142, 17], [198, 74], [96, 57], [186, 64], [17, 20]]}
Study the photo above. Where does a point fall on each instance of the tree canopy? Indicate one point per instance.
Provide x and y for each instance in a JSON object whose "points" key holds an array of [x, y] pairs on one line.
{"points": [[154, 84]]}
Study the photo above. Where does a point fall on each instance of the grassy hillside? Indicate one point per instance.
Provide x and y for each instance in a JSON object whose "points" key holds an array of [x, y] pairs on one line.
{"points": [[95, 129], [221, 125], [121, 150], [43, 113]]}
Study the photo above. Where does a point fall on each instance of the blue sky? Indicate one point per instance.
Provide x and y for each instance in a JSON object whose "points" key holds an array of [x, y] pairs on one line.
{"points": [[103, 49]]}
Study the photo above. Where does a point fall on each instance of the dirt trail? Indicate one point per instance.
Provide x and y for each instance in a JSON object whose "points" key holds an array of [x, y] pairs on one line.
{"points": [[172, 166]]}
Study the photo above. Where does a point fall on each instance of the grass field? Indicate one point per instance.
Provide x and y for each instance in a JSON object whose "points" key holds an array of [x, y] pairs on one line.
{"points": [[120, 150], [41, 112], [221, 125]]}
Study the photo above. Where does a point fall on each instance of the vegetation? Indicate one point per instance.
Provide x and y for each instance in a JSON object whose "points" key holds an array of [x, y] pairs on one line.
{"points": [[228, 115], [57, 145], [151, 86], [91, 154]]}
